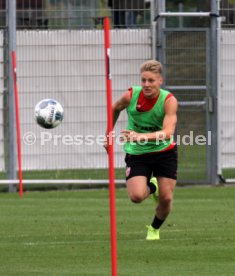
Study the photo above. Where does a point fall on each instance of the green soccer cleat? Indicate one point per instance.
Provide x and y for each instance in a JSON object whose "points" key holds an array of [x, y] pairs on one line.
{"points": [[155, 195], [152, 233]]}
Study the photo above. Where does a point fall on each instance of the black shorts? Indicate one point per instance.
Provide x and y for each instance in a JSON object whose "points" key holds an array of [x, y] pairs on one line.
{"points": [[157, 164]]}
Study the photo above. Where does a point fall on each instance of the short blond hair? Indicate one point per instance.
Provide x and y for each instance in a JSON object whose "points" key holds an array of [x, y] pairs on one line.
{"points": [[151, 66]]}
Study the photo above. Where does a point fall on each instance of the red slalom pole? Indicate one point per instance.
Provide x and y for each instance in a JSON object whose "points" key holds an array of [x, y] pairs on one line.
{"points": [[110, 147], [17, 124]]}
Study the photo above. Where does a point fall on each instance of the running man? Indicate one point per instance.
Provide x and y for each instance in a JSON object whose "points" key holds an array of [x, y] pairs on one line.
{"points": [[151, 153]]}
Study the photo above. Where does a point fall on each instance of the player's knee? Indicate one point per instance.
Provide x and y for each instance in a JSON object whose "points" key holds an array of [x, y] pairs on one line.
{"points": [[136, 198], [166, 200]]}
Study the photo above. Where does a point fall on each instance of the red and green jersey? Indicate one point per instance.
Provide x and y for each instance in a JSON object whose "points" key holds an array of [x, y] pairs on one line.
{"points": [[146, 122]]}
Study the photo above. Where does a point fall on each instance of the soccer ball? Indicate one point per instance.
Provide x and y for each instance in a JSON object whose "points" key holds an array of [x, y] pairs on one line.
{"points": [[48, 113]]}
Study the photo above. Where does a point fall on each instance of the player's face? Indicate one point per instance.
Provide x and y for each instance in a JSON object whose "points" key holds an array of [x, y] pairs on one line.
{"points": [[151, 83]]}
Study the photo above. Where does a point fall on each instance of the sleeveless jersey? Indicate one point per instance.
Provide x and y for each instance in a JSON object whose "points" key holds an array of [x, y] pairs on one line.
{"points": [[146, 122]]}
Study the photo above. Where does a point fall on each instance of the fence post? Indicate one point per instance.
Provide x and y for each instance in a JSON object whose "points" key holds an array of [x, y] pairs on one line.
{"points": [[11, 35], [212, 86], [212, 101]]}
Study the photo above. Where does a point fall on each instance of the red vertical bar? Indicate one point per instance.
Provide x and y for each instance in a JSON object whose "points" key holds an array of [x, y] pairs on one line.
{"points": [[110, 147], [17, 124]]}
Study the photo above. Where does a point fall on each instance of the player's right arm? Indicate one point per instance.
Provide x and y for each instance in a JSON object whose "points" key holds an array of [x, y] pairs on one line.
{"points": [[121, 104]]}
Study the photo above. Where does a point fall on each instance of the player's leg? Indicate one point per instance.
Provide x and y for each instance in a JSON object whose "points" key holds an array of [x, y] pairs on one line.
{"points": [[166, 188], [154, 191], [138, 174], [137, 188], [165, 168]]}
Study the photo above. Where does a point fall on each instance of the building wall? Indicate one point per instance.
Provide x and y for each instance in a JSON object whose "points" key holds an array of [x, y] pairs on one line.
{"points": [[69, 67], [226, 100]]}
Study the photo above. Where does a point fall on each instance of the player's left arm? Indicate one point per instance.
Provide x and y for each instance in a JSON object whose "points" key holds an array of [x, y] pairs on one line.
{"points": [[170, 119], [169, 124]]}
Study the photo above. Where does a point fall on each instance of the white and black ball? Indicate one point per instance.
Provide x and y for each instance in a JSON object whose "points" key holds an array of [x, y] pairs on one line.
{"points": [[48, 113]]}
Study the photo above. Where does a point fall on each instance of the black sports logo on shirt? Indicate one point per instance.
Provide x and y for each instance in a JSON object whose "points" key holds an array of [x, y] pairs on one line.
{"points": [[147, 128]]}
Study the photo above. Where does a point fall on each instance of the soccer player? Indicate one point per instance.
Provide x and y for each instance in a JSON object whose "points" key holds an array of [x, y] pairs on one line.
{"points": [[151, 153]]}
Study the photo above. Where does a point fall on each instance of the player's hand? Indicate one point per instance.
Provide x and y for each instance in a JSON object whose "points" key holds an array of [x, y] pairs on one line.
{"points": [[106, 146], [129, 136], [108, 141]]}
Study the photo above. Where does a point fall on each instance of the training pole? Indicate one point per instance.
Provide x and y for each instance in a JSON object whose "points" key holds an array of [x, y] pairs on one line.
{"points": [[110, 147], [17, 124]]}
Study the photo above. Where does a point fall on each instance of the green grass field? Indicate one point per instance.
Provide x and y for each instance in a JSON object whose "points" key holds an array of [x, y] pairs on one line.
{"points": [[67, 233]]}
